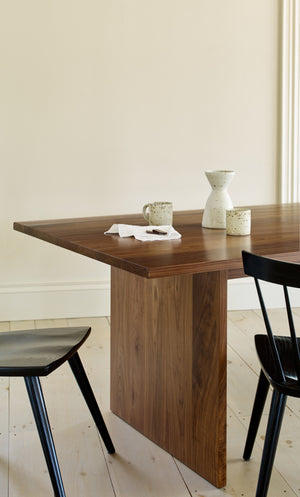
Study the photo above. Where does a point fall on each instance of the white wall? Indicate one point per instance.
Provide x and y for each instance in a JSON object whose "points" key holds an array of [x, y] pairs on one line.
{"points": [[108, 104]]}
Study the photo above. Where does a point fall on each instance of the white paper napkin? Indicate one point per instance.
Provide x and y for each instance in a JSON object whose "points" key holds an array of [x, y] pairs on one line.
{"points": [[140, 232]]}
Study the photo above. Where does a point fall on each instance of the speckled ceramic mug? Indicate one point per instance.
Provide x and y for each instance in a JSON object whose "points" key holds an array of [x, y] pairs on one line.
{"points": [[159, 213], [238, 221]]}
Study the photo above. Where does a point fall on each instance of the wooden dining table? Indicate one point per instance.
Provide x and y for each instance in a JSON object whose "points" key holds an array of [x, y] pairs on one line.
{"points": [[169, 320]]}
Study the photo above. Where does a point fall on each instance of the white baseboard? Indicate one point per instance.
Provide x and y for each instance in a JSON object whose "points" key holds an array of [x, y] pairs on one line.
{"points": [[53, 301], [70, 300], [242, 295]]}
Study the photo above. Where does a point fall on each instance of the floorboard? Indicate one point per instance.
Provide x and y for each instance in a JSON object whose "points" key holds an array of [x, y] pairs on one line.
{"points": [[140, 468]]}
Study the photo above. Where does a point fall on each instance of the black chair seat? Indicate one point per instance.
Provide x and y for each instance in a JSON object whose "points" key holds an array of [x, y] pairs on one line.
{"points": [[284, 346], [35, 353], [38, 352]]}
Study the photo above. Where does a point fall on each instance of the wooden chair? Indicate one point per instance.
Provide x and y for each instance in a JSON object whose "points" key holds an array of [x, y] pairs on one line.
{"points": [[279, 359], [35, 353]]}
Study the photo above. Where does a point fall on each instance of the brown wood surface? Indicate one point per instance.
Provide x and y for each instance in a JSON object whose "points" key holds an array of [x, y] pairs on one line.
{"points": [[169, 355], [169, 334], [274, 232]]}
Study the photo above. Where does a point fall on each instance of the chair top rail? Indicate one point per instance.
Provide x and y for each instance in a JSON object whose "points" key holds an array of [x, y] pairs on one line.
{"points": [[272, 270]]}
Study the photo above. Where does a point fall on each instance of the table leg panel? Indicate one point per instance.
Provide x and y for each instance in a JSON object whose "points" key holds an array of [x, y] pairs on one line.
{"points": [[166, 374], [209, 375], [168, 396], [128, 378]]}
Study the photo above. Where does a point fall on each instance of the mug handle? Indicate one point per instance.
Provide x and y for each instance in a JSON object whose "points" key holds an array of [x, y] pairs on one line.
{"points": [[146, 214]]}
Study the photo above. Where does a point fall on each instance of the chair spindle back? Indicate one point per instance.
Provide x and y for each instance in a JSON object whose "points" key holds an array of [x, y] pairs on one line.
{"points": [[285, 274]]}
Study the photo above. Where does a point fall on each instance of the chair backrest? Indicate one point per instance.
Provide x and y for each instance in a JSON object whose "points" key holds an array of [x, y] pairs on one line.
{"points": [[285, 274]]}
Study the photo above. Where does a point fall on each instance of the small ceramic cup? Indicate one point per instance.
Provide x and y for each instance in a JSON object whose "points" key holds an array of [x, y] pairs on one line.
{"points": [[159, 213], [238, 221]]}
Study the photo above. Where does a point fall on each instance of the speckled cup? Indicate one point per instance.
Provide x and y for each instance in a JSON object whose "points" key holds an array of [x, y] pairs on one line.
{"points": [[238, 221], [159, 213]]}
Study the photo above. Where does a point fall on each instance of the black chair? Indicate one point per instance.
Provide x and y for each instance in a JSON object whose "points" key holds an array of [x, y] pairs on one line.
{"points": [[279, 359], [35, 353]]}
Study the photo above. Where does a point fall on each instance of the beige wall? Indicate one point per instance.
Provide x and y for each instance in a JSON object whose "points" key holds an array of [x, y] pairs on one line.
{"points": [[107, 104]]}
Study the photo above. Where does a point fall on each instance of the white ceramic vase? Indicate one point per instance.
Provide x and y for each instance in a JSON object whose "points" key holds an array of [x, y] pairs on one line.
{"points": [[214, 215]]}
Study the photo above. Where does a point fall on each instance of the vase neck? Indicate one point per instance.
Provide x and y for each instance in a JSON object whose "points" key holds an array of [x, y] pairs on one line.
{"points": [[219, 180]]}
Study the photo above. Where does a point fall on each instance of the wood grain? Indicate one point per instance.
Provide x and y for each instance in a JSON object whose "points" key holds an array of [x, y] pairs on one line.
{"points": [[209, 374], [274, 232], [168, 380]]}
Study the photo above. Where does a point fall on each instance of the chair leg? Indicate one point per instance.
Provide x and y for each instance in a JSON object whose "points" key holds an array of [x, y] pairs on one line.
{"points": [[258, 407], [271, 441], [37, 401], [87, 392]]}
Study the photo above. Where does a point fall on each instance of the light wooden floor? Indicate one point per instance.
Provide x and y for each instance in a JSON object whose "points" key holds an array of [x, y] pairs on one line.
{"points": [[140, 468]]}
